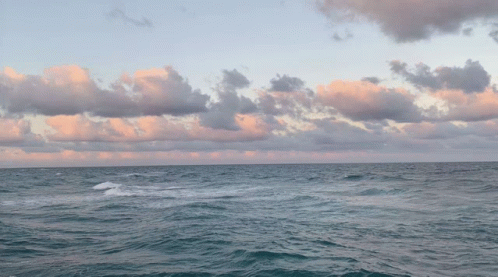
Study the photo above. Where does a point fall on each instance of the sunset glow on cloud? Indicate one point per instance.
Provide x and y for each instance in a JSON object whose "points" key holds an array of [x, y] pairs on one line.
{"points": [[151, 108]]}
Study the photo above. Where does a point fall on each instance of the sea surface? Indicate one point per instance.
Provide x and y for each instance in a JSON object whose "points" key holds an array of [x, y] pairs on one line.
{"points": [[414, 219]]}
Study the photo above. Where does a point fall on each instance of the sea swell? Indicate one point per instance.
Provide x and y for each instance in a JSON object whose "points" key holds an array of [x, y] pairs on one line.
{"points": [[281, 220]]}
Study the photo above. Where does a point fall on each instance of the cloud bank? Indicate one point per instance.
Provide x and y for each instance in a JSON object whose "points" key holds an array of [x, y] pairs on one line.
{"points": [[156, 111]]}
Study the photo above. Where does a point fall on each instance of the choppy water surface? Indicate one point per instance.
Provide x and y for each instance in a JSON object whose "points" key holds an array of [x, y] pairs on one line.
{"points": [[272, 220]]}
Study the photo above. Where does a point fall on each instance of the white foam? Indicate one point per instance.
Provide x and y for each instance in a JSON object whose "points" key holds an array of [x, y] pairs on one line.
{"points": [[113, 189], [117, 192], [173, 188], [106, 185]]}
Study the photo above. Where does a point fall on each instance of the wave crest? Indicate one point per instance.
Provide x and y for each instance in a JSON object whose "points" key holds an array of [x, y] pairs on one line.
{"points": [[106, 185]]}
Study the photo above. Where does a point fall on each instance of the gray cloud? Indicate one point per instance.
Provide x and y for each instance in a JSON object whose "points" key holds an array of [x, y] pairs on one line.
{"points": [[340, 38], [448, 130], [286, 95], [373, 80], [295, 104], [246, 105], [268, 105], [285, 83], [467, 31], [470, 78], [341, 133], [420, 77], [222, 114], [168, 93], [34, 95], [407, 20], [120, 14], [494, 35], [431, 131], [232, 79]]}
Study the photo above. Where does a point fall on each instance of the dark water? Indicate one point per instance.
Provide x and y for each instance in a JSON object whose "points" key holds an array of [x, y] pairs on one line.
{"points": [[272, 220]]}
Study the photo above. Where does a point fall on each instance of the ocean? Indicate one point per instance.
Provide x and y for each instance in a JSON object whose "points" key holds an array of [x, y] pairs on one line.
{"points": [[412, 219]]}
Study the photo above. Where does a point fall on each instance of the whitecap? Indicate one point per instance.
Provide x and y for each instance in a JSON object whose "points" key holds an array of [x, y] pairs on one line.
{"points": [[117, 192], [106, 185], [173, 188]]}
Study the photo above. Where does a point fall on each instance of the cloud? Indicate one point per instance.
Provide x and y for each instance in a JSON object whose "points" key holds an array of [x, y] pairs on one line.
{"points": [[120, 14], [487, 130], [13, 130], [285, 83], [294, 103], [467, 31], [428, 130], [79, 128], [16, 133], [62, 90], [342, 135], [373, 80], [411, 20], [156, 110], [250, 128], [164, 91], [69, 90], [470, 78], [221, 114], [361, 100], [468, 107], [340, 38], [286, 96], [494, 35], [232, 79]]}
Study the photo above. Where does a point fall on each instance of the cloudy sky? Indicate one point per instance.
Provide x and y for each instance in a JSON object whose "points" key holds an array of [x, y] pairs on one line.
{"points": [[87, 83]]}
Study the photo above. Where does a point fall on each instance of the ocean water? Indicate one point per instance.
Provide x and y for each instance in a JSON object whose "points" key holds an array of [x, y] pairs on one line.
{"points": [[421, 219]]}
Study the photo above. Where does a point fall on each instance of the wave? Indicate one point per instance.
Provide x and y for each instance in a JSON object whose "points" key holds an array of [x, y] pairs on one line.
{"points": [[118, 192], [115, 189], [269, 255], [375, 191], [353, 177], [299, 273], [112, 189], [276, 272], [106, 185]]}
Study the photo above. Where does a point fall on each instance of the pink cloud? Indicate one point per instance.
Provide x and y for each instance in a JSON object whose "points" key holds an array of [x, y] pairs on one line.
{"points": [[469, 107], [13, 130], [152, 128], [362, 100], [80, 128], [67, 75], [12, 75], [159, 128]]}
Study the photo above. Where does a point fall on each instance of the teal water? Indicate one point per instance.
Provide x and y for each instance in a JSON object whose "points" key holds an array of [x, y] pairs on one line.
{"points": [[434, 219]]}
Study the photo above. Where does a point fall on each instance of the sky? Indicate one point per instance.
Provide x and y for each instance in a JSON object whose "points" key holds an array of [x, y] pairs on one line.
{"points": [[110, 83]]}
